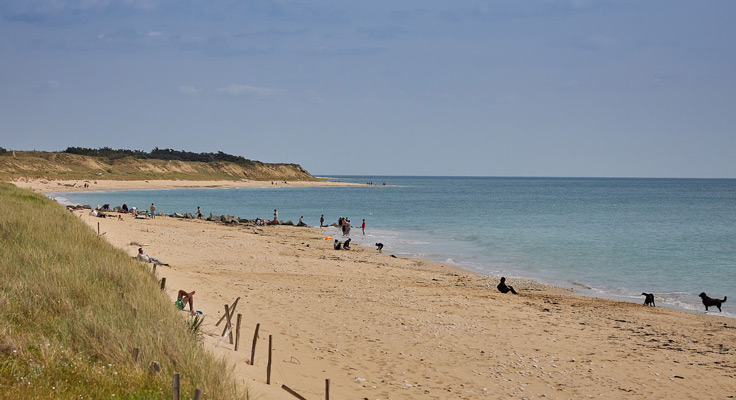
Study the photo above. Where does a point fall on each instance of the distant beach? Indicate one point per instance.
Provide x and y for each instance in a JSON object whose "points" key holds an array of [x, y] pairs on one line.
{"points": [[46, 185]]}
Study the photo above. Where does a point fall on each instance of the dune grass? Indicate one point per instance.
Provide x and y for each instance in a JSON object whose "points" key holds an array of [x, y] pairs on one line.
{"points": [[65, 329]]}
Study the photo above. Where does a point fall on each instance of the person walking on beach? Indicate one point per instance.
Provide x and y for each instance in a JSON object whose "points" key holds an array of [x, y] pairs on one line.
{"points": [[322, 221], [153, 210], [503, 288], [363, 226]]}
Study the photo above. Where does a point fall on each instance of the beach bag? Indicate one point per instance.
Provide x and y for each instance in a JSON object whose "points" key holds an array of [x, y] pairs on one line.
{"points": [[179, 304]]}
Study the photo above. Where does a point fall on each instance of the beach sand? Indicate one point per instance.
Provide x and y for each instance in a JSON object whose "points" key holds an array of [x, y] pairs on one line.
{"points": [[397, 328], [46, 186]]}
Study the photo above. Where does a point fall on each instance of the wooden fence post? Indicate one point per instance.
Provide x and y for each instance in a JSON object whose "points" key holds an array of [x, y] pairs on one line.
{"points": [[197, 394], [154, 269], [98, 229], [293, 393], [253, 349], [163, 283], [327, 389], [175, 388], [268, 367], [237, 332]]}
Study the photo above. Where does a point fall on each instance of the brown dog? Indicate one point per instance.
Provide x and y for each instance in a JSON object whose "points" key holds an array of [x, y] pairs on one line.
{"points": [[708, 302]]}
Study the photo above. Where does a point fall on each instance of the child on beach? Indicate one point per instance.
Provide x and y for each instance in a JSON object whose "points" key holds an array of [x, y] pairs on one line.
{"points": [[503, 288], [338, 245]]}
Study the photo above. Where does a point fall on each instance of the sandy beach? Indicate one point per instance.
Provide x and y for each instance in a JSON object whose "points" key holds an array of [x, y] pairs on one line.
{"points": [[397, 328], [46, 186]]}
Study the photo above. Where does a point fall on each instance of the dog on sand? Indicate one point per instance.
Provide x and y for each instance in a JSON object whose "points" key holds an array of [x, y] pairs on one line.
{"points": [[648, 299], [708, 302]]}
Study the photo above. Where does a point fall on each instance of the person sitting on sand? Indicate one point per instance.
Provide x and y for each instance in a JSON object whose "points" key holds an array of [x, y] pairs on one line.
{"points": [[346, 245], [125, 208], [184, 297], [145, 257], [338, 245], [505, 289]]}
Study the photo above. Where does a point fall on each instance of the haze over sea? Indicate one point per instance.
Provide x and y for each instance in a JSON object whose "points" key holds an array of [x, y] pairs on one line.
{"points": [[601, 236]]}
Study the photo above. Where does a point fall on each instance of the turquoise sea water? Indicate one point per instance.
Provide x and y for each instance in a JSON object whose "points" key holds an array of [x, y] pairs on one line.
{"points": [[608, 237]]}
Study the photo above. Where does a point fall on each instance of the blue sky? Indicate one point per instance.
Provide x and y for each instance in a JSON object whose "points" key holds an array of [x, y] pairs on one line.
{"points": [[489, 88]]}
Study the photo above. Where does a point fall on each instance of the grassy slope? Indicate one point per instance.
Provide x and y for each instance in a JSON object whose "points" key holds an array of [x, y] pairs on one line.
{"points": [[65, 330], [64, 166]]}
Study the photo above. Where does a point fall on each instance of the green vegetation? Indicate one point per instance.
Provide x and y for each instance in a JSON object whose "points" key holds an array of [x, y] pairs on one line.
{"points": [[66, 330], [107, 164]]}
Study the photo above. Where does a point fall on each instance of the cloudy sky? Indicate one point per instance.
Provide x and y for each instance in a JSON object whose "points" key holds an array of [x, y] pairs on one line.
{"points": [[415, 87]]}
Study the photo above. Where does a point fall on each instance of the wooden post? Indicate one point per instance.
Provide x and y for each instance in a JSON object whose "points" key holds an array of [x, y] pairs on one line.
{"points": [[237, 332], [197, 394], [136, 352], [232, 309], [163, 283], [327, 389], [228, 324], [175, 388], [293, 393], [253, 349], [268, 367], [154, 268], [98, 229]]}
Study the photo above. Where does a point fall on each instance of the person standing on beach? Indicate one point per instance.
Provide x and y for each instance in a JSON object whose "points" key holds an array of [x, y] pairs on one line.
{"points": [[199, 213], [153, 210], [322, 221], [363, 226]]}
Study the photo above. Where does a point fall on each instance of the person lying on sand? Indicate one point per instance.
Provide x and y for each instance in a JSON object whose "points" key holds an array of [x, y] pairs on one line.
{"points": [[184, 297], [505, 289], [145, 257]]}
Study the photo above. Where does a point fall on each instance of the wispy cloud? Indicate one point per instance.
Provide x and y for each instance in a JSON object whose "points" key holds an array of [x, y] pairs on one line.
{"points": [[189, 90], [247, 90]]}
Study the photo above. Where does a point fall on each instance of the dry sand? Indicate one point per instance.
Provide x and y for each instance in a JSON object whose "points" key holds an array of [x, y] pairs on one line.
{"points": [[46, 186], [396, 328]]}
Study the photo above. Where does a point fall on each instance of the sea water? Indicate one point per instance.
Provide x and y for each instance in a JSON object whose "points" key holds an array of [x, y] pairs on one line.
{"points": [[614, 238]]}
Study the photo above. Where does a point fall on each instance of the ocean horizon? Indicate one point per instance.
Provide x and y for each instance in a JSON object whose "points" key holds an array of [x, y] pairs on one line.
{"points": [[606, 237]]}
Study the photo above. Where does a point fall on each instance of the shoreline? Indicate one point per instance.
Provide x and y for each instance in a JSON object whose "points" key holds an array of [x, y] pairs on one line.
{"points": [[58, 186], [384, 327], [576, 288]]}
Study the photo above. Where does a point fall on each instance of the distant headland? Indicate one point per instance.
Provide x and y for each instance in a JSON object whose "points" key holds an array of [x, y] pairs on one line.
{"points": [[158, 164]]}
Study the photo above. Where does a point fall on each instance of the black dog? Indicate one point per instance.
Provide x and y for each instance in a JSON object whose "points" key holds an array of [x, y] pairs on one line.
{"points": [[649, 299], [379, 246], [708, 302]]}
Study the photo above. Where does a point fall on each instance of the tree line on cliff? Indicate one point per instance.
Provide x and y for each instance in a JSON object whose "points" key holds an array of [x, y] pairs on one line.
{"points": [[160, 154]]}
